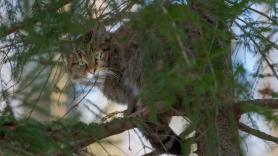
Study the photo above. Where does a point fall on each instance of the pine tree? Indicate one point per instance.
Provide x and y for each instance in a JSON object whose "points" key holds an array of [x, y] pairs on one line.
{"points": [[201, 79]]}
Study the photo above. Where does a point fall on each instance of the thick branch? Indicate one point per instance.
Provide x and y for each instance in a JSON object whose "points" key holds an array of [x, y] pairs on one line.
{"points": [[257, 133], [118, 125], [97, 132], [74, 136]]}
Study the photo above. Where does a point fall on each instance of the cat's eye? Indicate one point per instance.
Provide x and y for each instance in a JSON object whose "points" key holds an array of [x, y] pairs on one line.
{"points": [[81, 63], [99, 54]]}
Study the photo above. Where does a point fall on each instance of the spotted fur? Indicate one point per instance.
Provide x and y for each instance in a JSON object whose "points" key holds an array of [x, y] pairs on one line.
{"points": [[115, 62]]}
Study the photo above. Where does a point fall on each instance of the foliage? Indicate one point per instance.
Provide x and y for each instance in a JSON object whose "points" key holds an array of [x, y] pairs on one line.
{"points": [[208, 81]]}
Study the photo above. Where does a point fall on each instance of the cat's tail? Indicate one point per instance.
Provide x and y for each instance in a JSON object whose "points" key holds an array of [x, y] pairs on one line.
{"points": [[162, 138]]}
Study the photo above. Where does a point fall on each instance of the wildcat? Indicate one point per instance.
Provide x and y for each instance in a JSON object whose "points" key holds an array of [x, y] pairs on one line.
{"points": [[114, 63]]}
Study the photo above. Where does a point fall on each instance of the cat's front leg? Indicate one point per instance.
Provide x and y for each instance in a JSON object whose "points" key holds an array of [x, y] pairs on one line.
{"points": [[137, 109], [131, 106]]}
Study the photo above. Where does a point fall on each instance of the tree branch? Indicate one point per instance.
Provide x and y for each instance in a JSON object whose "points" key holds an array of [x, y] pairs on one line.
{"points": [[268, 103], [257, 133], [75, 136], [153, 153], [97, 132]]}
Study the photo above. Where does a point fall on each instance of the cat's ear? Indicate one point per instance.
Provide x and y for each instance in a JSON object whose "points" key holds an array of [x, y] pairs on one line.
{"points": [[88, 36], [102, 34], [98, 33]]}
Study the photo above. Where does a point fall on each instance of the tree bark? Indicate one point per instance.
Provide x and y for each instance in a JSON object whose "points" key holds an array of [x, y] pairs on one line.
{"points": [[224, 133]]}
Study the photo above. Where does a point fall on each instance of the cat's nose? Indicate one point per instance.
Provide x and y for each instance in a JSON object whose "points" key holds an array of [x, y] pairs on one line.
{"points": [[75, 77]]}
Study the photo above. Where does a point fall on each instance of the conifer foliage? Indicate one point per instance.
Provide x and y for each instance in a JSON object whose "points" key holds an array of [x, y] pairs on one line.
{"points": [[192, 68]]}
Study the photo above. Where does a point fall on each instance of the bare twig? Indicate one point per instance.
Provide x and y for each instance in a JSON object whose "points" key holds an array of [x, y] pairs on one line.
{"points": [[264, 56], [257, 133]]}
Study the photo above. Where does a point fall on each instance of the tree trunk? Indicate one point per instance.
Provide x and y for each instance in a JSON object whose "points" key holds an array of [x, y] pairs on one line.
{"points": [[217, 132], [221, 139]]}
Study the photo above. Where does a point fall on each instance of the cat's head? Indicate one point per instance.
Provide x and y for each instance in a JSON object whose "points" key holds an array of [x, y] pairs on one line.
{"points": [[88, 64]]}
